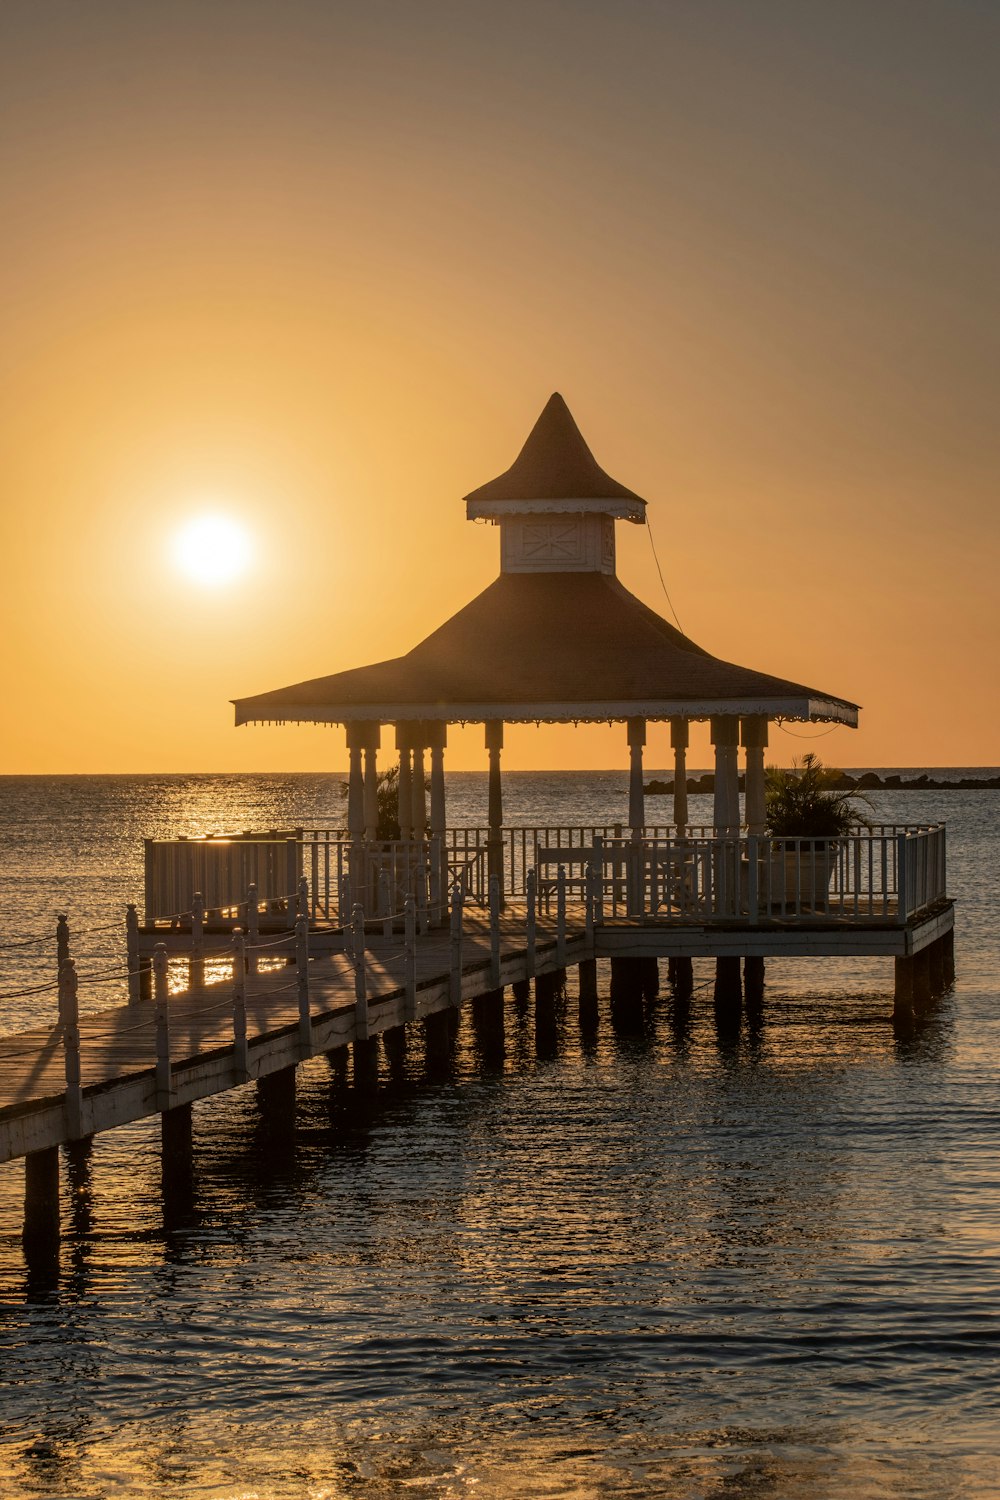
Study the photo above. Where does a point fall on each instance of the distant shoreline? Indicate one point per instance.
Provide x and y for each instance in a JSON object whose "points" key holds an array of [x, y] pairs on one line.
{"points": [[868, 781]]}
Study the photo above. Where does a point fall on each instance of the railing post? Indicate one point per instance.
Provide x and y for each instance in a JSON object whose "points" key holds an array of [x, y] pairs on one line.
{"points": [[196, 963], [160, 995], [753, 878], [531, 921], [438, 881], [599, 873], [360, 973], [410, 957], [241, 1048], [69, 1009], [902, 883], [302, 902], [456, 944], [495, 895], [588, 906], [132, 954], [62, 953], [347, 916], [253, 926], [385, 902], [561, 916], [302, 981], [291, 877]]}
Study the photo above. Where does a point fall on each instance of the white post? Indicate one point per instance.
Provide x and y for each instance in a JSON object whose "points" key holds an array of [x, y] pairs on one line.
{"points": [[725, 738], [196, 967], [405, 783], [69, 1009], [360, 976], [456, 944], [302, 980], [160, 995], [241, 1047], [132, 952], [494, 847], [410, 957], [253, 926], [423, 916], [599, 874], [495, 932], [636, 789], [372, 741], [437, 734], [438, 880], [561, 916], [679, 739], [418, 806], [589, 901], [531, 921], [62, 952], [753, 735], [385, 902]]}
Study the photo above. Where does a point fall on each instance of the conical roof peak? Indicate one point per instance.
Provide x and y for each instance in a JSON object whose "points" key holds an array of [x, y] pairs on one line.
{"points": [[554, 464]]}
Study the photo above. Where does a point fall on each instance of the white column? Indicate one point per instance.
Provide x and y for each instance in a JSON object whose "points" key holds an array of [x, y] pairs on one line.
{"points": [[355, 783], [753, 734], [679, 736], [405, 798], [725, 738], [418, 800], [372, 740], [494, 854], [636, 792], [437, 737]]}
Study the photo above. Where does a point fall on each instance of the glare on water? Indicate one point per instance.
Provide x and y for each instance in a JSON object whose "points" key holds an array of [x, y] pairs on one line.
{"points": [[668, 1263]]}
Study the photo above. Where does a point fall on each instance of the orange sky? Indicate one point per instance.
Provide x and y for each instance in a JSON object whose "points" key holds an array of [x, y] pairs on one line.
{"points": [[319, 266]]}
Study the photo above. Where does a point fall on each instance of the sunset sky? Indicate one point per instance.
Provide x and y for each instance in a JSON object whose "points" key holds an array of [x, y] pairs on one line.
{"points": [[315, 267]]}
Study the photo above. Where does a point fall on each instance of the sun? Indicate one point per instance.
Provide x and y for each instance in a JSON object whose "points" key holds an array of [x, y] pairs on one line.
{"points": [[212, 549]]}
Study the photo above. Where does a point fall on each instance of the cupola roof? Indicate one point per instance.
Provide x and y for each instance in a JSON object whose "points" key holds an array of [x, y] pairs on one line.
{"points": [[555, 465]]}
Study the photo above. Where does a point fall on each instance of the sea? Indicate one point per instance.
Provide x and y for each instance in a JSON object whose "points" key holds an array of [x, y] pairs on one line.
{"points": [[669, 1262]]}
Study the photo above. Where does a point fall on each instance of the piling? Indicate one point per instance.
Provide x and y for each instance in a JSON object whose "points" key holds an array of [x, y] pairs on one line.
{"points": [[728, 985], [680, 972], [948, 958], [753, 981], [276, 1100], [177, 1162], [935, 968], [40, 1236]]}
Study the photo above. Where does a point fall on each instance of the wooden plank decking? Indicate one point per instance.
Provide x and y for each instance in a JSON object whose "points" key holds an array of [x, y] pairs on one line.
{"points": [[118, 1044]]}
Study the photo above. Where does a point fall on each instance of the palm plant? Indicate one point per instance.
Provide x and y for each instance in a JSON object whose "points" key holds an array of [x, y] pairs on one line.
{"points": [[804, 803]]}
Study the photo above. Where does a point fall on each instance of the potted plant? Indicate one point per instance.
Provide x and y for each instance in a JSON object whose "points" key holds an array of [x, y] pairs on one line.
{"points": [[804, 804]]}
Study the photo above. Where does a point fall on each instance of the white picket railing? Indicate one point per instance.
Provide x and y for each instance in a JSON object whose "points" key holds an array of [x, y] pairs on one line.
{"points": [[886, 872]]}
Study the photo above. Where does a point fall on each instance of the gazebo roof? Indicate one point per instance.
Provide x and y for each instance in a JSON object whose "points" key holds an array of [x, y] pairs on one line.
{"points": [[555, 464], [547, 646]]}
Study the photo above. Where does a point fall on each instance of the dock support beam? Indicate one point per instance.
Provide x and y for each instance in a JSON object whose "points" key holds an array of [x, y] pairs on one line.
{"points": [[680, 972], [40, 1236], [177, 1160], [753, 980], [948, 957], [588, 988], [276, 1099], [728, 985]]}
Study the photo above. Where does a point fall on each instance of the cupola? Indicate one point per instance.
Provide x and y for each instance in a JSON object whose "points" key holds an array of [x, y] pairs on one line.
{"points": [[555, 505]]}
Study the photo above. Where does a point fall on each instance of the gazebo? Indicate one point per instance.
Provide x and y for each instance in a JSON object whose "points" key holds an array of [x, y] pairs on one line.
{"points": [[556, 638]]}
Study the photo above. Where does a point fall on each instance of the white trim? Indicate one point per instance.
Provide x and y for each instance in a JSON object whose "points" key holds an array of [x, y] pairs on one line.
{"points": [[806, 710], [499, 510]]}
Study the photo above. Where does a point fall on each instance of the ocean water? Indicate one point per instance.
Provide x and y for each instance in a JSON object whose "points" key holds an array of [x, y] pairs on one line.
{"points": [[671, 1263]]}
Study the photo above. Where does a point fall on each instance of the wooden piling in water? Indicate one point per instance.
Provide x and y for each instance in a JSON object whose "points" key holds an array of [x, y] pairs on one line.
{"points": [[40, 1235]]}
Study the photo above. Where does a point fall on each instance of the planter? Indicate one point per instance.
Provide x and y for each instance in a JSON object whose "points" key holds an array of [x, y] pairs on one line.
{"points": [[800, 877]]}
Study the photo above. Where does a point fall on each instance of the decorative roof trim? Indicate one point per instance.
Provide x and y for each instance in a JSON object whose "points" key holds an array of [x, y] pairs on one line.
{"points": [[801, 710], [498, 510]]}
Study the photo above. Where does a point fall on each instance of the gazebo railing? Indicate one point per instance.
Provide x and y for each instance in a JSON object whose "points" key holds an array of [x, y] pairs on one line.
{"points": [[886, 872]]}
